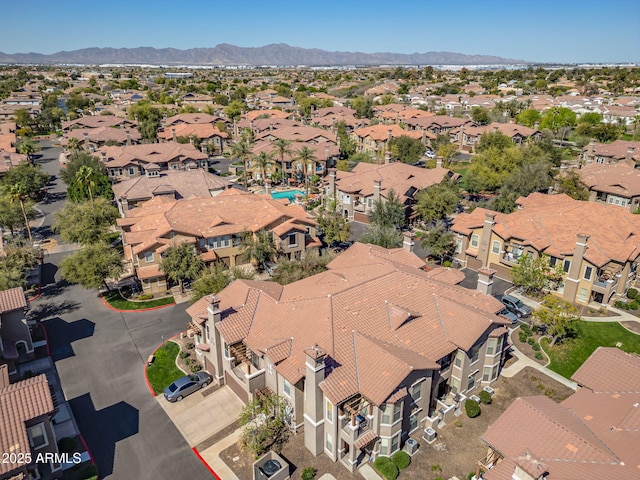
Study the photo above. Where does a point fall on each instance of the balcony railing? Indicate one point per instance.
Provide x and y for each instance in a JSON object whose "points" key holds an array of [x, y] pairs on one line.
{"points": [[510, 258], [362, 425]]}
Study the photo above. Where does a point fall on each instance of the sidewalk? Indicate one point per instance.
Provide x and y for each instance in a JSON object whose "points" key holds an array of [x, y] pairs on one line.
{"points": [[212, 456]]}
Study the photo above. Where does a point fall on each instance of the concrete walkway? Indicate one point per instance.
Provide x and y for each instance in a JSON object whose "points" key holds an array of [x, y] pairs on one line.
{"points": [[368, 472], [212, 456]]}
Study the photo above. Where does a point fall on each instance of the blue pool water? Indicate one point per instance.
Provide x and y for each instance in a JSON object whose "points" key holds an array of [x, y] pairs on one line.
{"points": [[289, 194]]}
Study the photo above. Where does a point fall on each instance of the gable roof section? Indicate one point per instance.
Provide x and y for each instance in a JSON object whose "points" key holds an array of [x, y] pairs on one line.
{"points": [[12, 299], [610, 370]]}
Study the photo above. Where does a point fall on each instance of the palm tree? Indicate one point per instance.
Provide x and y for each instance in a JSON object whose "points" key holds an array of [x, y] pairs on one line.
{"points": [[86, 175], [305, 157], [27, 148], [262, 161], [258, 248], [74, 146], [242, 150], [18, 192], [282, 147]]}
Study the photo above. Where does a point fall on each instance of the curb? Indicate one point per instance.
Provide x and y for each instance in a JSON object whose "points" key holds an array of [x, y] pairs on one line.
{"points": [[46, 336], [137, 310], [89, 452], [146, 379], [204, 462]]}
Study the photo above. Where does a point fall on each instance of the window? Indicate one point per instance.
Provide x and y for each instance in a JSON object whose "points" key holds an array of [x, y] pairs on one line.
{"points": [[206, 332], [458, 362], [486, 374], [416, 391], [583, 295], [413, 421], [132, 171], [384, 446], [473, 354], [495, 247], [270, 368], [455, 385], [120, 171], [566, 266], [395, 443], [329, 412], [226, 350], [386, 417], [329, 442], [474, 240], [587, 272], [553, 261], [148, 257], [445, 362], [369, 202], [397, 412], [287, 388], [471, 381], [38, 436], [459, 245], [491, 346], [292, 240]]}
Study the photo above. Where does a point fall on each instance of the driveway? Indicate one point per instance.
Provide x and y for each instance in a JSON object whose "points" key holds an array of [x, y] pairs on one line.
{"points": [[471, 281], [203, 414]]}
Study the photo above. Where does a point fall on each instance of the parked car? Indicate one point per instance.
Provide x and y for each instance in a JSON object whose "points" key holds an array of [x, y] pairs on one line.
{"points": [[270, 268], [186, 385], [429, 154], [514, 305], [506, 313]]}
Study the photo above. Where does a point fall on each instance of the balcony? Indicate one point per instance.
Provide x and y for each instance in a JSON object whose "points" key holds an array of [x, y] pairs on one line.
{"points": [[510, 258], [358, 426], [605, 285]]}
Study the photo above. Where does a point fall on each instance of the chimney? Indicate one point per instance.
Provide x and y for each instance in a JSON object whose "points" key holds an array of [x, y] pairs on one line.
{"points": [[213, 337], [377, 187], [173, 133], [128, 137], [267, 186], [461, 139], [572, 279], [438, 162], [495, 128], [389, 136], [86, 140], [124, 201], [7, 161], [387, 157], [103, 156], [424, 136], [536, 126], [485, 280], [485, 238], [314, 400], [4, 376], [407, 242], [332, 183]]}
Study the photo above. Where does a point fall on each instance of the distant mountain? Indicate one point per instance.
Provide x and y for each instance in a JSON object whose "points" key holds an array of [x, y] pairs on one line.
{"points": [[226, 54]]}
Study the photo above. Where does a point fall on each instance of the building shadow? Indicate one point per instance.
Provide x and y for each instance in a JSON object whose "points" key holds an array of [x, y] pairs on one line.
{"points": [[102, 429], [53, 309], [62, 334]]}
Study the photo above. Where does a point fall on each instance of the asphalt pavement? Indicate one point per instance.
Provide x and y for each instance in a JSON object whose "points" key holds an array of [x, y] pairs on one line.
{"points": [[99, 355]]}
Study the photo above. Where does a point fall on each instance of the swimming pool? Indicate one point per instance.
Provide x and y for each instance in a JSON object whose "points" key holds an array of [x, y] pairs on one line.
{"points": [[289, 194]]}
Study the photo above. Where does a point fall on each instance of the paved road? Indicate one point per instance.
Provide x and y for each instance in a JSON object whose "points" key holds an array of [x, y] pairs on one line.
{"points": [[99, 355]]}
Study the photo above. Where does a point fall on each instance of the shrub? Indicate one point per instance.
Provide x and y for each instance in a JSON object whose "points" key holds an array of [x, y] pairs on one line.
{"points": [[308, 473], [523, 337], [485, 398], [471, 408], [536, 347], [67, 445], [446, 263], [401, 458], [632, 293], [458, 424], [87, 471], [622, 305], [189, 346], [195, 367], [634, 305], [145, 296], [531, 341], [386, 468], [525, 328], [471, 475], [184, 355], [539, 355], [436, 468]]}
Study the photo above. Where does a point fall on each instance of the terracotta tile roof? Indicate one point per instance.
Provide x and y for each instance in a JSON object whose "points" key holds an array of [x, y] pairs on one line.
{"points": [[199, 130], [380, 132], [252, 115], [12, 299], [610, 370], [299, 134], [97, 121], [550, 224], [271, 123], [366, 438], [192, 118], [152, 153], [367, 316], [185, 184], [152, 271], [617, 178], [398, 395], [508, 129], [19, 403], [446, 275], [319, 150], [402, 178], [328, 111], [103, 134]]}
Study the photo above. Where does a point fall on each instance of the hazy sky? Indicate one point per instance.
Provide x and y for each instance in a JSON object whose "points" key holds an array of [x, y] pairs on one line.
{"points": [[532, 30]]}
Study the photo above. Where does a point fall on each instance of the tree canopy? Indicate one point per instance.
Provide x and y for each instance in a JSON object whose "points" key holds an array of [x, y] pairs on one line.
{"points": [[215, 278], [438, 240], [437, 201], [85, 223], [385, 236], [264, 424], [334, 226], [389, 212], [33, 178], [17, 260], [558, 316], [181, 263], [406, 149], [78, 186], [92, 265], [258, 248], [572, 185], [290, 271]]}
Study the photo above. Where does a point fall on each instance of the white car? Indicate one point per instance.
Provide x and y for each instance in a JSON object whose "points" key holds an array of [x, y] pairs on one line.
{"points": [[429, 154]]}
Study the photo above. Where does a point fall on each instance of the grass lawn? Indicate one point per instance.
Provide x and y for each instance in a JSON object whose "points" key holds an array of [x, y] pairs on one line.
{"points": [[567, 357], [114, 299], [163, 370]]}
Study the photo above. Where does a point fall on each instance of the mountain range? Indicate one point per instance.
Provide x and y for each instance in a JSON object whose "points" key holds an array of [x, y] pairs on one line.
{"points": [[228, 55]]}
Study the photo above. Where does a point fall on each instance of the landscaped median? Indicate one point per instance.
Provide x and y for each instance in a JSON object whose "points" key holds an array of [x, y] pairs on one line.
{"points": [[163, 370], [116, 301]]}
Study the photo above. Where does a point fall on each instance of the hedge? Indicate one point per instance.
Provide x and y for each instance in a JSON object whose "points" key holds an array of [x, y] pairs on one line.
{"points": [[386, 468], [401, 458], [485, 397], [472, 408]]}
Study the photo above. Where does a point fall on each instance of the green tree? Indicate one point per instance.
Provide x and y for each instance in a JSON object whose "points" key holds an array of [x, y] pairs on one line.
{"points": [[528, 118], [28, 147], [18, 193], [181, 263], [383, 235], [86, 223], [389, 212], [263, 161], [264, 424], [559, 317], [437, 201], [11, 214], [215, 279], [242, 151], [76, 189], [533, 274], [334, 226], [234, 109], [15, 262], [22, 117], [305, 159], [363, 106], [490, 168], [592, 118], [92, 265], [282, 148], [493, 140], [524, 180], [406, 149], [480, 115], [449, 153], [572, 185], [32, 177], [258, 248], [558, 118], [74, 146], [347, 145], [86, 176], [438, 240], [290, 271]]}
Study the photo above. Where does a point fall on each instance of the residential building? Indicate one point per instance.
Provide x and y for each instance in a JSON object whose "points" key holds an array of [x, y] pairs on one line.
{"points": [[599, 257], [466, 137], [392, 349], [375, 139], [605, 153], [356, 192], [214, 226], [129, 161], [614, 183], [325, 154], [207, 133], [97, 121], [592, 434], [94, 138], [16, 344], [309, 135], [26, 429], [173, 184]]}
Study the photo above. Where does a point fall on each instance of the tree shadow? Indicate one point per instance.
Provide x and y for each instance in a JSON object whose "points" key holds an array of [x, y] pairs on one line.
{"points": [[53, 309], [62, 334], [102, 429], [48, 275]]}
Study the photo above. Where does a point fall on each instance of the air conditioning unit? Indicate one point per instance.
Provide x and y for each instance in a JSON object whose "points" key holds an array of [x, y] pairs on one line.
{"points": [[429, 435], [411, 446], [489, 390], [475, 398]]}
